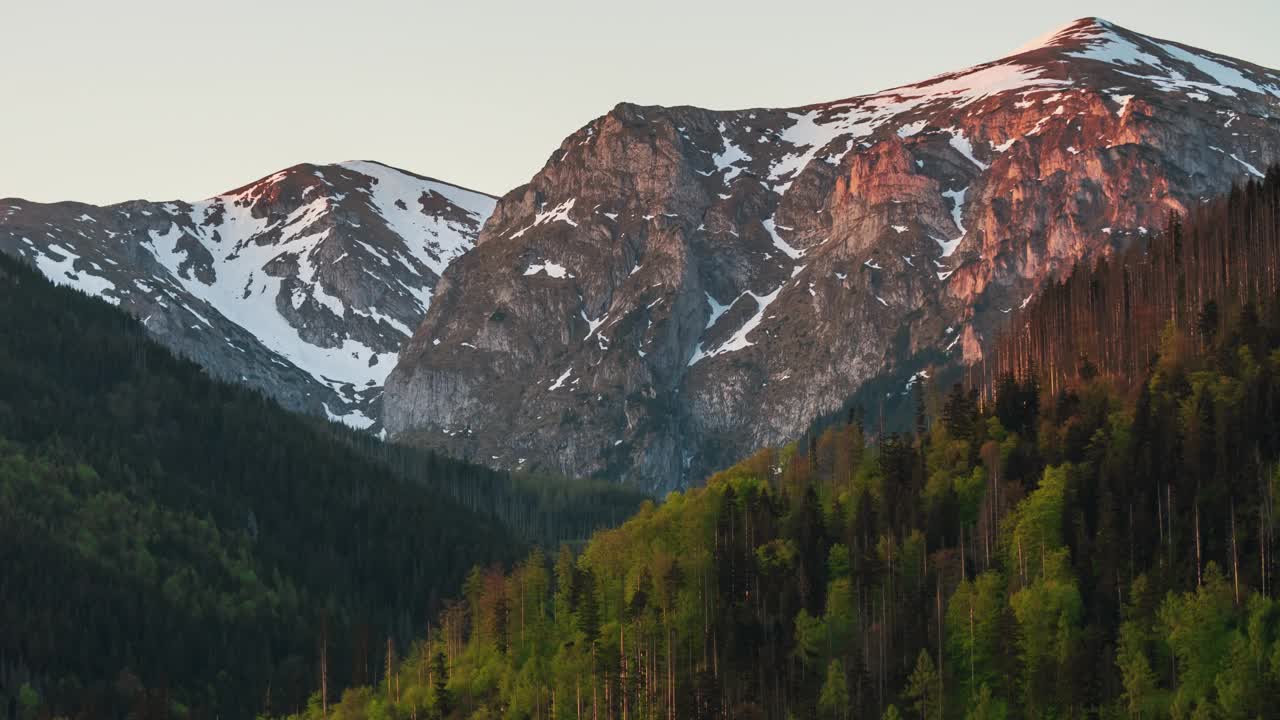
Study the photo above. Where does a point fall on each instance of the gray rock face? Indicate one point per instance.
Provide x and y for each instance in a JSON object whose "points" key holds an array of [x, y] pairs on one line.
{"points": [[678, 286], [303, 285]]}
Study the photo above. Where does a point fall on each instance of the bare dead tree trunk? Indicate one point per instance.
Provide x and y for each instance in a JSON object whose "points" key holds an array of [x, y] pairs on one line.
{"points": [[324, 668], [972, 670], [671, 676], [941, 673], [1160, 516], [1198, 562], [622, 673], [1235, 558], [1022, 563], [388, 671]]}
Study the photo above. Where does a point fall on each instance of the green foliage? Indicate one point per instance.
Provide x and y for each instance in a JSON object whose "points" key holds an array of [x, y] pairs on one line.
{"points": [[28, 702], [1198, 628], [1048, 612], [976, 620], [987, 707], [833, 701], [1033, 531], [1142, 697], [924, 689]]}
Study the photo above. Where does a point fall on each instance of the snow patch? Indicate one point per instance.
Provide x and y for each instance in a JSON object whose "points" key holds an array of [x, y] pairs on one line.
{"points": [[778, 242], [912, 128], [740, 340], [717, 309], [554, 270], [593, 325], [1005, 145], [559, 382], [63, 272], [1247, 166], [964, 147], [432, 240], [559, 213], [957, 216], [355, 419], [726, 161]]}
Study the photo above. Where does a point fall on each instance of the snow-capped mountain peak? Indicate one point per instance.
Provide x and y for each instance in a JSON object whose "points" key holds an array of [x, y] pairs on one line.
{"points": [[661, 286], [319, 273]]}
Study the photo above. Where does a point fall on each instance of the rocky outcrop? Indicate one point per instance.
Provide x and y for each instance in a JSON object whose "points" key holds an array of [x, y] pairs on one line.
{"points": [[304, 284], [678, 286]]}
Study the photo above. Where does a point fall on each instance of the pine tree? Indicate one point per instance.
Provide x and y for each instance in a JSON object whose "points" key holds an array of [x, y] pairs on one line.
{"points": [[440, 673], [987, 707], [923, 689], [833, 701]]}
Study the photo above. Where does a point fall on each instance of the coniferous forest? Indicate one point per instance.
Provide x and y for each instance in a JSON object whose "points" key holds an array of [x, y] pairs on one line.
{"points": [[1080, 535], [173, 546]]}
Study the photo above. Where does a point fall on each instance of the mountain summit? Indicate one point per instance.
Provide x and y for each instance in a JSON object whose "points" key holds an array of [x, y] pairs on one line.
{"points": [[303, 284], [678, 286]]}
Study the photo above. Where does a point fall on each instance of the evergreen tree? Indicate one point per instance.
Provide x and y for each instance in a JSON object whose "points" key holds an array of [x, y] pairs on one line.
{"points": [[923, 689], [440, 674], [833, 701]]}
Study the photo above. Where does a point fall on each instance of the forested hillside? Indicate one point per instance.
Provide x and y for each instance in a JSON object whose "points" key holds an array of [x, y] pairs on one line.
{"points": [[1104, 549], [538, 508], [173, 545], [1113, 315]]}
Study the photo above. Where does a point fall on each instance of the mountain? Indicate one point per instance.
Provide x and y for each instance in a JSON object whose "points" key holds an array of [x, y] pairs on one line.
{"points": [[679, 285], [303, 285]]}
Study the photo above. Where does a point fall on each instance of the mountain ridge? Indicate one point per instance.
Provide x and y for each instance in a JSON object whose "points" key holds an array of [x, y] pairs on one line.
{"points": [[835, 241], [343, 259], [669, 270]]}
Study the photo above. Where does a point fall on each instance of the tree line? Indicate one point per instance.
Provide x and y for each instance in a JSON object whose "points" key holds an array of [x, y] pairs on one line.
{"points": [[1112, 316]]}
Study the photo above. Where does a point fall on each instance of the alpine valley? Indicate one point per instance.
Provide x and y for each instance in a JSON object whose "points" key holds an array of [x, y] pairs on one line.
{"points": [[959, 400]]}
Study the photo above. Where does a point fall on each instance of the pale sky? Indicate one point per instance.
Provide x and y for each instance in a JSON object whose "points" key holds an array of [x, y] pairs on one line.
{"points": [[109, 101]]}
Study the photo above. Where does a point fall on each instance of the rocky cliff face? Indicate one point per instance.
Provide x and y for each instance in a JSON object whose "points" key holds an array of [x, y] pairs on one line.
{"points": [[303, 285], [678, 286]]}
